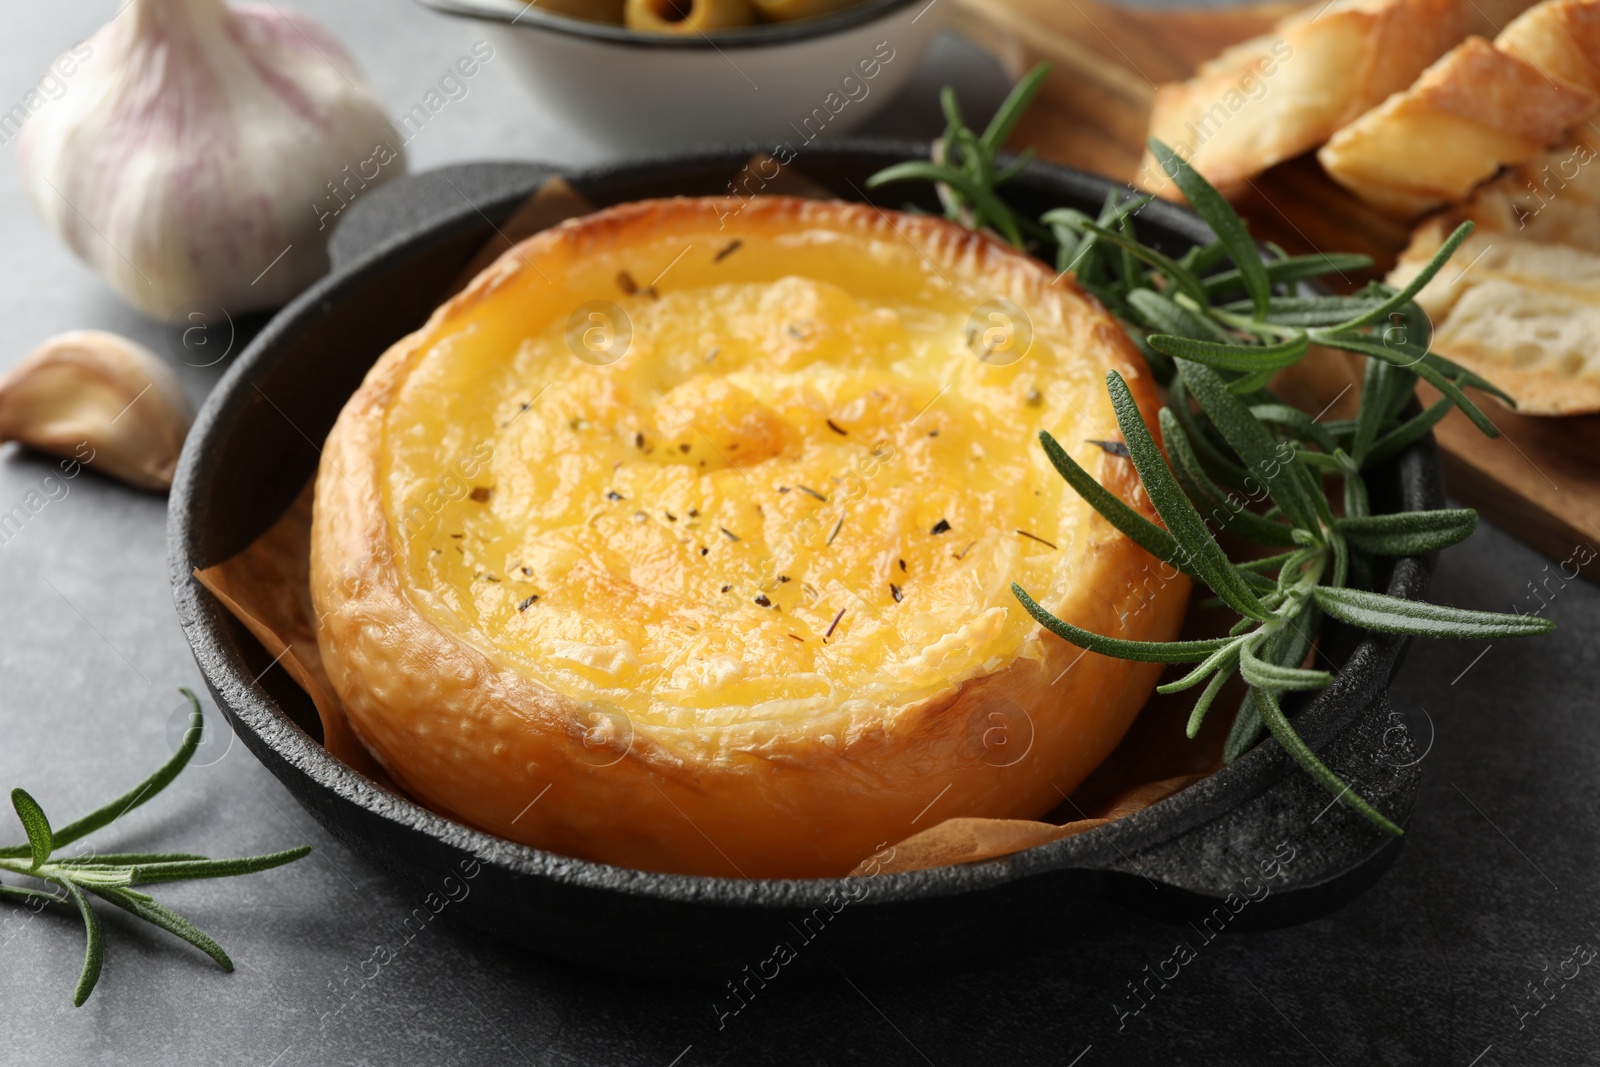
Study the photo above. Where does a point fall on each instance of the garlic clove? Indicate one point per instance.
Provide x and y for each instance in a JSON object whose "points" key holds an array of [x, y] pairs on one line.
{"points": [[101, 400], [198, 149]]}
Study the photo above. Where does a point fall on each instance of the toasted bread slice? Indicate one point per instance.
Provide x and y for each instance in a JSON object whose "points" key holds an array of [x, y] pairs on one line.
{"points": [[1275, 96], [1476, 110], [1534, 338], [1525, 314], [1560, 38], [1553, 198]]}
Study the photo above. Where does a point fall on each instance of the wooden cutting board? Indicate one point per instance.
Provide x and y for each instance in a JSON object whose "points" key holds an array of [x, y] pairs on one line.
{"points": [[1540, 479]]}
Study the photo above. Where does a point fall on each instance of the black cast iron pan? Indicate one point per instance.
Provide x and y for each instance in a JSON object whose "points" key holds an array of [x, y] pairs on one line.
{"points": [[1205, 856]]}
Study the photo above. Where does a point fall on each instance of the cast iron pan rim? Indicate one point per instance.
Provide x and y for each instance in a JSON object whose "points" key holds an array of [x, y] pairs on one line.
{"points": [[204, 621], [744, 38], [1163, 214]]}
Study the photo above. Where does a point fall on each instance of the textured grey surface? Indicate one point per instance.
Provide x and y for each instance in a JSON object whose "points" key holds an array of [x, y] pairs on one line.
{"points": [[1493, 890]]}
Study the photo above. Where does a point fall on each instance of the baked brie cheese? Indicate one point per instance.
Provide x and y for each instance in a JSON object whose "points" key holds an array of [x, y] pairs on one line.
{"points": [[683, 539]]}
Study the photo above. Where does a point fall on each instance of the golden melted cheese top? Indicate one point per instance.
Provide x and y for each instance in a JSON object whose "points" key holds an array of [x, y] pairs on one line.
{"points": [[798, 489]]}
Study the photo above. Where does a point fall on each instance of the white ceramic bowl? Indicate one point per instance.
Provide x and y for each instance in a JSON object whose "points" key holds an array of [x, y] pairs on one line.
{"points": [[785, 83]]}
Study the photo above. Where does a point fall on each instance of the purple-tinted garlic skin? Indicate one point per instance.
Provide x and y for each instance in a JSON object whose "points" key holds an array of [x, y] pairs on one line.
{"points": [[199, 152]]}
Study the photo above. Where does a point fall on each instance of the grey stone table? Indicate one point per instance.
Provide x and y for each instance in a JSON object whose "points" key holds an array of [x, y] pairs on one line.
{"points": [[1494, 889]]}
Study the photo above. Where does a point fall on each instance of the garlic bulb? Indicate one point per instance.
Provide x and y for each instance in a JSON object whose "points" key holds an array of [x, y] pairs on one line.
{"points": [[102, 400], [200, 151]]}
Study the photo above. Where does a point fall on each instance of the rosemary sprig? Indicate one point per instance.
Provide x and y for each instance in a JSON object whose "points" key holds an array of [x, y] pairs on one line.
{"points": [[1215, 325], [111, 875], [963, 166]]}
